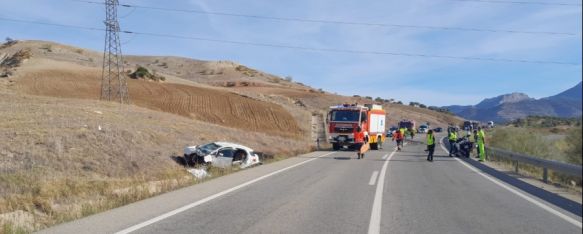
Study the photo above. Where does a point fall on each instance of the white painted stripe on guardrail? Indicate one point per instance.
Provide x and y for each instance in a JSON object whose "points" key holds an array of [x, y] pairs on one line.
{"points": [[373, 177], [209, 198], [520, 194]]}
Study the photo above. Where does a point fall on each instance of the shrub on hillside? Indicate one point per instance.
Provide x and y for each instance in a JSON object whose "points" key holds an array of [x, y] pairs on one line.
{"points": [[545, 121], [143, 73], [574, 151]]}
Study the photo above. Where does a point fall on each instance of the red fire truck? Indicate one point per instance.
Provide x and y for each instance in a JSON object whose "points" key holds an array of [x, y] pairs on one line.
{"points": [[344, 119]]}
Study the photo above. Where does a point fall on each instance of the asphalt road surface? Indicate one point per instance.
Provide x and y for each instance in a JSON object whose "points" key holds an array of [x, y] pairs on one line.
{"points": [[333, 192]]}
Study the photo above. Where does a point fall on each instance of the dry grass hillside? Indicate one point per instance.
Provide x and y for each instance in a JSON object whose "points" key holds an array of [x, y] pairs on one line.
{"points": [[65, 158], [58, 79], [299, 100], [65, 155]]}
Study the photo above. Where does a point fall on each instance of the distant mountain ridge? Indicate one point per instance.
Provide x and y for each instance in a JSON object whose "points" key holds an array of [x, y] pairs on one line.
{"points": [[512, 106]]}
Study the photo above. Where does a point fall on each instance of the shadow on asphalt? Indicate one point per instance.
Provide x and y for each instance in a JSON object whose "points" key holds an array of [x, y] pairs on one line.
{"points": [[342, 158], [564, 203]]}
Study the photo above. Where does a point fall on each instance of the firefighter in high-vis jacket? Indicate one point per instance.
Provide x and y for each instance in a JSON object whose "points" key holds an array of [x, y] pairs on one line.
{"points": [[430, 145], [452, 140], [481, 144]]}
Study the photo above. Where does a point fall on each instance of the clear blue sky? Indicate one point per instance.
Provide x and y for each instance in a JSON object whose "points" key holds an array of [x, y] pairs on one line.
{"points": [[430, 81]]}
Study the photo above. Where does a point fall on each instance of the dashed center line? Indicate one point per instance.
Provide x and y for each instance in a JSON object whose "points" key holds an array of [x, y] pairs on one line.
{"points": [[373, 178], [374, 227]]}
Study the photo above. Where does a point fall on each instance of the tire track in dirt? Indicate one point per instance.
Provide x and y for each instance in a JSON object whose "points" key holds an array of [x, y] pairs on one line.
{"points": [[209, 105]]}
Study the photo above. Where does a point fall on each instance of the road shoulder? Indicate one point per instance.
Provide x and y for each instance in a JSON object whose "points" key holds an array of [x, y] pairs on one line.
{"points": [[120, 218]]}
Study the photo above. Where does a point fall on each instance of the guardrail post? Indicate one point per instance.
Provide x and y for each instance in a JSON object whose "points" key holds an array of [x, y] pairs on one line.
{"points": [[516, 166], [545, 175]]}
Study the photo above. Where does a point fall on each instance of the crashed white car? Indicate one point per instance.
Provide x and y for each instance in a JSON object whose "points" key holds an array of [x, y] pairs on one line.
{"points": [[221, 154]]}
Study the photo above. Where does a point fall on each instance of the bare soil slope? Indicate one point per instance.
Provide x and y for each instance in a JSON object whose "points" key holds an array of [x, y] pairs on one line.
{"points": [[58, 79], [299, 100]]}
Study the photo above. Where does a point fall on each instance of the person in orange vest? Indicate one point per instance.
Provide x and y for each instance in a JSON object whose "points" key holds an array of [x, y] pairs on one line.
{"points": [[398, 136], [359, 140]]}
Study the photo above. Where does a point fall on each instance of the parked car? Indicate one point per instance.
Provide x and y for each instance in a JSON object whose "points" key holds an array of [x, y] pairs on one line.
{"points": [[221, 154], [438, 129], [391, 131], [422, 129]]}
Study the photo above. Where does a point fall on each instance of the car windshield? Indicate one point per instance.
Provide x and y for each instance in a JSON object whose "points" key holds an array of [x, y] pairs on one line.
{"points": [[344, 115], [210, 147]]}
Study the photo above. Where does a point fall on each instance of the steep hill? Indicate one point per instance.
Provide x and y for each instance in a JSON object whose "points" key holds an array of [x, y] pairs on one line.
{"points": [[503, 99], [573, 94], [517, 105]]}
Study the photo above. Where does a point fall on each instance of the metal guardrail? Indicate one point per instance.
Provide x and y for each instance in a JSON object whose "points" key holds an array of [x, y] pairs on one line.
{"points": [[516, 158]]}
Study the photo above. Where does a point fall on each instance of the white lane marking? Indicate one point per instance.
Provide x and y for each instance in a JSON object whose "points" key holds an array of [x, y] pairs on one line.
{"points": [[373, 177], [386, 155], [520, 194], [374, 227], [209, 198]]}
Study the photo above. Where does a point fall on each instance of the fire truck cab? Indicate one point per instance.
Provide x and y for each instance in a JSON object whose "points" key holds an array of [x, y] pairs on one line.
{"points": [[343, 121]]}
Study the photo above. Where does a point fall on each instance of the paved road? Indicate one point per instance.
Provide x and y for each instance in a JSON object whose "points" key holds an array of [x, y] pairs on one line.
{"points": [[336, 193]]}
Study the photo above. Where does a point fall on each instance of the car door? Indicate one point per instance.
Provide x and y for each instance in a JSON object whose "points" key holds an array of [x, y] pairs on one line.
{"points": [[224, 157]]}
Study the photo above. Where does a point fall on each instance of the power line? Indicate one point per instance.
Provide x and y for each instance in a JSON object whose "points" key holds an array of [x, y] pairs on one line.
{"points": [[366, 24], [347, 51], [522, 2]]}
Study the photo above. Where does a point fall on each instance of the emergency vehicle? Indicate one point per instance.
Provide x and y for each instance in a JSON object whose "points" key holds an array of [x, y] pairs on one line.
{"points": [[343, 121], [408, 125]]}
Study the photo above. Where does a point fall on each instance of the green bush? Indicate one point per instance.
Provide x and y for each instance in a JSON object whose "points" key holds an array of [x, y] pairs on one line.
{"points": [[522, 140], [141, 72], [573, 140]]}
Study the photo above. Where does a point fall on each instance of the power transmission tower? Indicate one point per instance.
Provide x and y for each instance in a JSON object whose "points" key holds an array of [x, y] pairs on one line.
{"points": [[114, 85]]}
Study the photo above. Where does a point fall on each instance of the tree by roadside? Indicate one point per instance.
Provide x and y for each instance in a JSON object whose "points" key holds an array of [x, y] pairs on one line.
{"points": [[574, 152]]}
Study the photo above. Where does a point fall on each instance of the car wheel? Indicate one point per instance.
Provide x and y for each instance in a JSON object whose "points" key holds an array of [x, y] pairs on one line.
{"points": [[188, 160]]}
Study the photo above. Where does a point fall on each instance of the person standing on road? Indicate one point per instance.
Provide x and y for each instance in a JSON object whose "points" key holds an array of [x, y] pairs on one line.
{"points": [[452, 140], [398, 136], [476, 143], [430, 145], [481, 144], [359, 140]]}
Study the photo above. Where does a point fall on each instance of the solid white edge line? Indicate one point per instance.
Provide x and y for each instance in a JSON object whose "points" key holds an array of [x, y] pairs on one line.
{"points": [[374, 227], [520, 194], [209, 198], [373, 177]]}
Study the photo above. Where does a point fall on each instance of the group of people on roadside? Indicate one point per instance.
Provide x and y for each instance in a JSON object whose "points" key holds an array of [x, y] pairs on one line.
{"points": [[399, 136], [479, 139]]}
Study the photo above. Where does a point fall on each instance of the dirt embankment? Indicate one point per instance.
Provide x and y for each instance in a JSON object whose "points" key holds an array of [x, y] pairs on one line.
{"points": [[210, 105], [62, 159]]}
